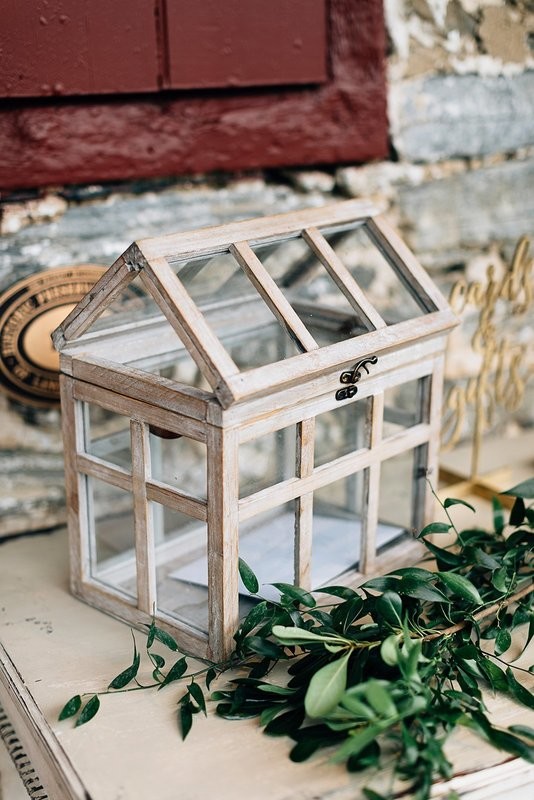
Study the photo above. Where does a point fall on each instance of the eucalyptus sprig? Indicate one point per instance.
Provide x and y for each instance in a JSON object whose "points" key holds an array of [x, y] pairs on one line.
{"points": [[396, 664]]}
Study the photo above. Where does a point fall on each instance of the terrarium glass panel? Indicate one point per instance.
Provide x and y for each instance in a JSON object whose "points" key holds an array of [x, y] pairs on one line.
{"points": [[337, 528], [134, 303], [306, 283], [107, 435], [267, 460], [112, 553], [342, 430], [181, 566], [396, 493], [266, 543], [374, 273], [403, 406], [179, 462], [235, 311]]}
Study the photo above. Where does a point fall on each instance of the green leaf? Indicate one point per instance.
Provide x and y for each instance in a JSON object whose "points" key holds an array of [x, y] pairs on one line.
{"points": [[357, 742], [517, 514], [264, 647], [494, 674], [485, 560], [296, 593], [435, 527], [522, 730], [326, 687], [165, 638], [389, 650], [339, 591], [257, 615], [195, 690], [503, 641], [175, 673], [127, 675], [498, 516], [88, 711], [158, 660], [71, 707], [519, 691], [380, 700], [284, 724], [186, 718], [211, 674], [357, 707], [389, 607], [451, 501], [250, 581], [290, 635], [524, 489], [499, 580], [461, 587], [421, 590]]}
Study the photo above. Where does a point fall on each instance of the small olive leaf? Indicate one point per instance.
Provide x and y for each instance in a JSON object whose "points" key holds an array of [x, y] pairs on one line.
{"points": [[158, 660], [498, 515], [175, 673], [460, 586], [339, 591], [186, 717], [523, 730], [296, 593], [211, 674], [517, 514], [435, 527], [165, 638], [357, 707], [71, 707], [485, 560], [88, 711], [503, 641], [454, 501], [379, 699], [389, 607], [421, 590], [264, 647], [127, 675], [357, 742], [499, 580], [524, 489], [389, 651], [250, 581], [326, 688], [151, 635], [195, 690], [520, 692], [289, 635], [257, 615]]}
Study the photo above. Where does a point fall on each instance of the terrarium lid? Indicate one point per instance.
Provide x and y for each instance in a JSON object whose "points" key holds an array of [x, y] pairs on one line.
{"points": [[268, 302]]}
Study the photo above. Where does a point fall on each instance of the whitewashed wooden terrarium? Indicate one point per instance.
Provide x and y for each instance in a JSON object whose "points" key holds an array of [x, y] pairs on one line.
{"points": [[269, 389]]}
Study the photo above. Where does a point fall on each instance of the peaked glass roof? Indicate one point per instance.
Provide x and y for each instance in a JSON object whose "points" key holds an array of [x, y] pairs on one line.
{"points": [[248, 295]]}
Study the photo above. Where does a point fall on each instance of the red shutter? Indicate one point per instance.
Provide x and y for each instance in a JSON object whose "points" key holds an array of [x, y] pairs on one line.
{"points": [[76, 47], [219, 43], [301, 118]]}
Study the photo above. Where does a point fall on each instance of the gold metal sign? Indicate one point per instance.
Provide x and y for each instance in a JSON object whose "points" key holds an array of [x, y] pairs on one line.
{"points": [[29, 311], [504, 366]]}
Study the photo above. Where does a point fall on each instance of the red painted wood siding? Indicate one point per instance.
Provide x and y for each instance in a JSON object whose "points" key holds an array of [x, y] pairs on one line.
{"points": [[218, 43], [85, 47], [76, 47], [77, 140]]}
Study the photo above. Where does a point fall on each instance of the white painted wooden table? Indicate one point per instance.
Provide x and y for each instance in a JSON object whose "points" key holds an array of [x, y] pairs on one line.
{"points": [[53, 647]]}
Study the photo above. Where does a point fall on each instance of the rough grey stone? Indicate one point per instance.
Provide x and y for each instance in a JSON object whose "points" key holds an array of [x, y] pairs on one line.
{"points": [[33, 494], [462, 116], [446, 221], [98, 232]]}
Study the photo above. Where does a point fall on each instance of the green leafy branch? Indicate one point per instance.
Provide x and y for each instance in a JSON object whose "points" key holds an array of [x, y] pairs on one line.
{"points": [[395, 665]]}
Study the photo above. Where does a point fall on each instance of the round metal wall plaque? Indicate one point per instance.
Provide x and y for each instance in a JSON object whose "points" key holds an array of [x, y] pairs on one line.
{"points": [[29, 311]]}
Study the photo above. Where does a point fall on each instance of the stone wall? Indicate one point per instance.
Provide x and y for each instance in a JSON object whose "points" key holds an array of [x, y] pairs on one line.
{"points": [[459, 185]]}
